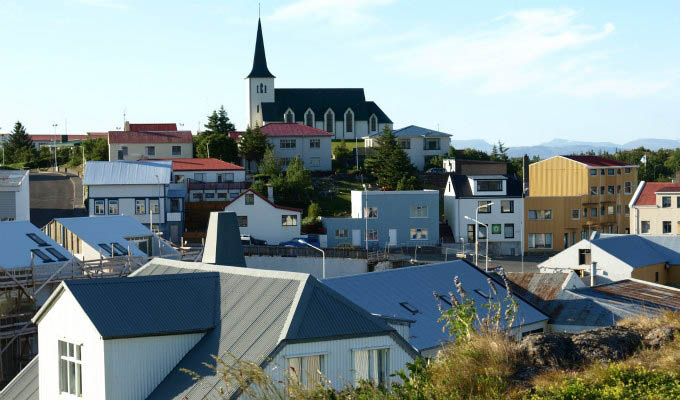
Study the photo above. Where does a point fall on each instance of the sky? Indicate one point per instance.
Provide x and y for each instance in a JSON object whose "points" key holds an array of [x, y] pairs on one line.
{"points": [[523, 72]]}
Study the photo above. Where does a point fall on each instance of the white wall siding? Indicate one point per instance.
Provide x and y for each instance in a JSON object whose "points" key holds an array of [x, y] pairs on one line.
{"points": [[568, 259], [264, 220], [136, 366], [23, 201], [137, 151], [211, 176], [304, 151], [309, 265]]}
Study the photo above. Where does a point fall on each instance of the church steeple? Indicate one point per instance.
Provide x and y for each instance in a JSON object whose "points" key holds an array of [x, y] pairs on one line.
{"points": [[260, 69]]}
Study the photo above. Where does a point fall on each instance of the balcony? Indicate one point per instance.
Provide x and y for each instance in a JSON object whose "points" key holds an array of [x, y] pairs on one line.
{"points": [[198, 185]]}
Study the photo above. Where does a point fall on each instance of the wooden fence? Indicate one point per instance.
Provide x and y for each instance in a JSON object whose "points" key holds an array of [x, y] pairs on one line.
{"points": [[283, 251]]}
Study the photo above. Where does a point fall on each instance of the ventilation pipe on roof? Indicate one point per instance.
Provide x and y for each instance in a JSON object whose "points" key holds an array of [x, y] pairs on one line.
{"points": [[223, 242], [593, 271]]}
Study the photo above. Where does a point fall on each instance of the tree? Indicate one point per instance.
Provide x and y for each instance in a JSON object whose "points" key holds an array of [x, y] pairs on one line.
{"points": [[298, 180], [218, 145], [502, 151], [253, 144], [96, 149], [270, 165], [390, 162], [435, 162], [19, 146], [342, 154], [409, 183], [472, 154], [218, 122]]}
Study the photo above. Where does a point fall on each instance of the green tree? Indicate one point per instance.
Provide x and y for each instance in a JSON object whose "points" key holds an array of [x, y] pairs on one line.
{"points": [[409, 183], [502, 151], [435, 162], [298, 180], [270, 165], [217, 145], [390, 162], [342, 154], [96, 149], [473, 154], [218, 122], [19, 146], [253, 144]]}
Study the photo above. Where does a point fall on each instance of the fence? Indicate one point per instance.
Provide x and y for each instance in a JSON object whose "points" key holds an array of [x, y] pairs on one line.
{"points": [[283, 251]]}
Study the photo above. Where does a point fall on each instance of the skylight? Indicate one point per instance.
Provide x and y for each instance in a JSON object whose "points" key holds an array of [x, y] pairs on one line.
{"points": [[413, 310]]}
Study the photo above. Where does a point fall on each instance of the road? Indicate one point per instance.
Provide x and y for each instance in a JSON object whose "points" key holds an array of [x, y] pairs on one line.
{"points": [[509, 263], [54, 195]]}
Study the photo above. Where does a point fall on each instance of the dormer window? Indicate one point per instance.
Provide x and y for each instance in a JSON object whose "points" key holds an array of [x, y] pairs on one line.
{"points": [[349, 121], [490, 185], [309, 118], [373, 123], [289, 117]]}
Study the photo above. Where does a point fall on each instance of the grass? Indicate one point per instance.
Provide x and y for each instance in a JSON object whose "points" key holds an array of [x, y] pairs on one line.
{"points": [[349, 143], [339, 204]]}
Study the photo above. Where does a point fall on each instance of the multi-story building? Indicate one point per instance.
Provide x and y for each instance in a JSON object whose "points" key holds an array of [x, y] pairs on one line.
{"points": [[139, 141], [209, 179], [406, 218], [14, 196], [420, 144], [495, 201], [655, 209], [572, 196]]}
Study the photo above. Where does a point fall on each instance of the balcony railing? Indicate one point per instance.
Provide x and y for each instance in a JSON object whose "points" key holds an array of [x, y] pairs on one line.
{"points": [[198, 185]]}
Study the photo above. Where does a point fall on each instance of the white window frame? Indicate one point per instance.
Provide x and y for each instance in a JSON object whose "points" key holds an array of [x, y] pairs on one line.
{"points": [[307, 113], [242, 221], [155, 204], [342, 233], [374, 235], [368, 358], [99, 207], [578, 213], [627, 187], [419, 234], [292, 114], [301, 375], [325, 121], [532, 240], [315, 162], [289, 220], [287, 143], [642, 227], [314, 143], [70, 370], [418, 211], [172, 150], [148, 153], [117, 204], [344, 120]]}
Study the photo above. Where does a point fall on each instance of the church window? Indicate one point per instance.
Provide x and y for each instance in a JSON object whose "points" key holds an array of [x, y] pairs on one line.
{"points": [[289, 117], [261, 87], [349, 121], [265, 88], [309, 118], [330, 121], [374, 123]]}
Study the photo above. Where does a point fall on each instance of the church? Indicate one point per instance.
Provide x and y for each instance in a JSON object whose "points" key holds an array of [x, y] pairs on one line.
{"points": [[344, 113]]}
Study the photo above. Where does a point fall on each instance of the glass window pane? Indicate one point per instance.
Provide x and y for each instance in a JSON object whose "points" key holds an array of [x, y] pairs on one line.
{"points": [[72, 377]]}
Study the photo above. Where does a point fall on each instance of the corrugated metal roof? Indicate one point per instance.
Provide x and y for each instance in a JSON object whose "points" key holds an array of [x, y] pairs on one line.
{"points": [[24, 386], [16, 246], [537, 288], [154, 127], [149, 305], [415, 131], [641, 250], [107, 229], [127, 172], [203, 164], [384, 292], [12, 178], [641, 293]]}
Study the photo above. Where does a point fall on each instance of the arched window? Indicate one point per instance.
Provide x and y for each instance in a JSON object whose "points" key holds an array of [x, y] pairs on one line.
{"points": [[265, 88], [374, 123], [289, 117], [349, 121], [309, 118], [257, 88], [261, 87], [330, 121]]}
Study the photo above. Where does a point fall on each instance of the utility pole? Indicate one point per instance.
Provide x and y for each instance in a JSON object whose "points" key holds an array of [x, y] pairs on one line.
{"points": [[56, 167]]}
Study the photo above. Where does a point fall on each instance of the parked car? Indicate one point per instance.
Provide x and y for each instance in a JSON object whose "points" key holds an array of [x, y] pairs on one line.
{"points": [[294, 242], [436, 171], [249, 240]]}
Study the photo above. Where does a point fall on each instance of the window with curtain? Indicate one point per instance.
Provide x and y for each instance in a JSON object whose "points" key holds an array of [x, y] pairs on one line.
{"points": [[307, 371], [371, 365]]}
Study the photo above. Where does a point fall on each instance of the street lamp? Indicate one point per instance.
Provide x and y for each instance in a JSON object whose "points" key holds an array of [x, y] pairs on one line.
{"points": [[486, 268], [323, 257], [476, 228], [56, 167], [366, 216]]}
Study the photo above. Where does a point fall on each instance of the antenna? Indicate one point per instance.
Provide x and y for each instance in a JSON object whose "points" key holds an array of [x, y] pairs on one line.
{"points": [[124, 115], [258, 10]]}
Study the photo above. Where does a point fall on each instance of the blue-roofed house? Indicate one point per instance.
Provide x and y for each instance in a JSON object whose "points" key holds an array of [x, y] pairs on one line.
{"points": [[617, 257], [421, 144], [141, 189], [130, 338], [403, 218], [407, 294]]}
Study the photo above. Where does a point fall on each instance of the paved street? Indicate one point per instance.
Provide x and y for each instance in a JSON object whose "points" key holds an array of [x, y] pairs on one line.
{"points": [[52, 196], [509, 263]]}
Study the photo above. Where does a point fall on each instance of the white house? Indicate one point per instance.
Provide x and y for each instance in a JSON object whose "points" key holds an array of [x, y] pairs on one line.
{"points": [[344, 112], [172, 315], [139, 141], [15, 204], [262, 219], [420, 144], [494, 200], [209, 179], [140, 189], [291, 140]]}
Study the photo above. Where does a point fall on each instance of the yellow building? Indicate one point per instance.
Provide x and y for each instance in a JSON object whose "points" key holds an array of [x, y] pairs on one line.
{"points": [[571, 196]]}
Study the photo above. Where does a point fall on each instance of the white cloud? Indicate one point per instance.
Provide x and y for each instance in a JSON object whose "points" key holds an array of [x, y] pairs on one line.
{"points": [[104, 4], [337, 12]]}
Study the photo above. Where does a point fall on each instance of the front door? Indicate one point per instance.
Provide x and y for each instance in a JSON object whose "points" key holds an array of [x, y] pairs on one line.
{"points": [[174, 233], [356, 237], [393, 237]]}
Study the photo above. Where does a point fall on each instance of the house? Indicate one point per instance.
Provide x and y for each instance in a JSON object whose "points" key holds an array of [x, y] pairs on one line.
{"points": [[261, 218], [140, 189], [655, 209], [290, 140], [150, 141], [107, 236], [617, 257], [474, 167], [15, 204], [572, 196], [420, 144], [493, 200], [405, 218], [209, 179], [345, 113], [171, 315], [406, 294]]}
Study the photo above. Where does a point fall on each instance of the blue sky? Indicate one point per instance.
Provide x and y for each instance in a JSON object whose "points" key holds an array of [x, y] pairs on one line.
{"points": [[522, 72]]}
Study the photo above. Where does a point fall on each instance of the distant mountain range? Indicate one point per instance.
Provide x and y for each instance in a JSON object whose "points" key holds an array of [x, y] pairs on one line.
{"points": [[561, 146]]}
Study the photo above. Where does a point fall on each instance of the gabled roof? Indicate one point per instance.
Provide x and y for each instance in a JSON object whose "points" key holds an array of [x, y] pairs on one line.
{"points": [[150, 137], [640, 250], [260, 69], [24, 386], [408, 293], [203, 164], [541, 289], [250, 190], [12, 179], [164, 127], [647, 196], [462, 188], [107, 229], [595, 161], [127, 172], [291, 129], [16, 246], [415, 131]]}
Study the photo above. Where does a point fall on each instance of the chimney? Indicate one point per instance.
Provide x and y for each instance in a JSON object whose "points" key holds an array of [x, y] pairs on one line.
{"points": [[270, 193], [223, 242], [126, 128], [593, 271], [525, 174]]}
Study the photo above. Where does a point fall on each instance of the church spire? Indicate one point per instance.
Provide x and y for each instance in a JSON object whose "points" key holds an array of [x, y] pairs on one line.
{"points": [[260, 69]]}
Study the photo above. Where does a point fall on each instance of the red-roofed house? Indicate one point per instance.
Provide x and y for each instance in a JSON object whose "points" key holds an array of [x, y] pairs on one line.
{"points": [[166, 127], [655, 208], [209, 179], [134, 145]]}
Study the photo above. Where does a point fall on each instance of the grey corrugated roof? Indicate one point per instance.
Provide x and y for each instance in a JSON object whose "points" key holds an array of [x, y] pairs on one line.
{"points": [[382, 292], [24, 386], [461, 186], [128, 172], [148, 305], [415, 131], [107, 229], [16, 247]]}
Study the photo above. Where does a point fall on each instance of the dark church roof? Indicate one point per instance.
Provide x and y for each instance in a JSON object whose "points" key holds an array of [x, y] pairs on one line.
{"points": [[260, 69], [320, 100]]}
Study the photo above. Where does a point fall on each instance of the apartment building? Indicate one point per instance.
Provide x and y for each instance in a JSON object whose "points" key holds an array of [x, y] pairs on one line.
{"points": [[572, 196], [655, 209], [209, 179]]}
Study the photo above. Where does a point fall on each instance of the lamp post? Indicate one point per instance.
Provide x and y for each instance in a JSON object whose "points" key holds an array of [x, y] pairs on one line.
{"points": [[486, 267], [323, 257], [476, 229], [56, 167], [366, 217]]}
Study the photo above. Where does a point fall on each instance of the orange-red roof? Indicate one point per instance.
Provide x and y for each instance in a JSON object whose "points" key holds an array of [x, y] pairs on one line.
{"points": [[284, 129], [202, 164], [595, 161], [166, 127], [150, 137], [648, 195]]}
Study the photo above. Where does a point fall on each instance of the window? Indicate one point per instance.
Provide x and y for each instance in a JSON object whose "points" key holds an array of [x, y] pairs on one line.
{"points": [[374, 123], [644, 226], [221, 195], [315, 162], [44, 257], [626, 210], [677, 202], [618, 189], [627, 170], [371, 365], [583, 256], [258, 109], [418, 211], [99, 207], [509, 231], [140, 206], [603, 211], [431, 144], [37, 239], [285, 161], [287, 143], [601, 190], [176, 150], [371, 212], [314, 143], [56, 254], [602, 171], [154, 206], [610, 210], [242, 221], [289, 220], [610, 189], [618, 171], [349, 121], [179, 178], [404, 143], [309, 118], [540, 214], [627, 187], [665, 202], [341, 233], [125, 150], [113, 207], [610, 172], [307, 371], [289, 118], [372, 234], [418, 233], [330, 121], [484, 206], [575, 213], [471, 233], [481, 234], [593, 172], [197, 196], [121, 156], [507, 206], [199, 176], [225, 177], [70, 368], [666, 225], [585, 212], [656, 276], [489, 185], [233, 195], [175, 205], [540, 240], [593, 212], [250, 199], [150, 150], [593, 190], [210, 195]]}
